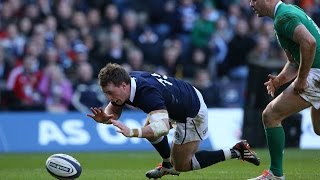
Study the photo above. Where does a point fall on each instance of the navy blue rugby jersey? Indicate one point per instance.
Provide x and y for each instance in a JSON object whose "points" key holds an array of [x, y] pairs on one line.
{"points": [[153, 92]]}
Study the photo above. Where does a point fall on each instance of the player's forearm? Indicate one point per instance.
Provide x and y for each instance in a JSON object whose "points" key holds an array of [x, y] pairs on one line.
{"points": [[288, 73], [145, 132], [153, 130]]}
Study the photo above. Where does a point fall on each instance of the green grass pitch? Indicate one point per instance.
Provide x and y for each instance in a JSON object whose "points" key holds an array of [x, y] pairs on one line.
{"points": [[298, 164]]}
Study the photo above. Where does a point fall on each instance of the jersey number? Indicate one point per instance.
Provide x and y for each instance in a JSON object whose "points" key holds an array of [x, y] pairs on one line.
{"points": [[162, 79]]}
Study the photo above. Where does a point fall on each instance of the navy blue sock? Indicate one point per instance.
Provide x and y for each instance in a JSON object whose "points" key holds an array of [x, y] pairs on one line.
{"points": [[207, 158], [163, 148]]}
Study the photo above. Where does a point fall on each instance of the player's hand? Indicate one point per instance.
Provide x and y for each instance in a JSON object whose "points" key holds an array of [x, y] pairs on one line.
{"points": [[299, 85], [272, 84], [100, 116], [123, 129]]}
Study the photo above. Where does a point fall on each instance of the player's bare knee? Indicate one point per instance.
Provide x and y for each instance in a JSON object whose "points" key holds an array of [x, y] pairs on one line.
{"points": [[266, 117], [270, 118]]}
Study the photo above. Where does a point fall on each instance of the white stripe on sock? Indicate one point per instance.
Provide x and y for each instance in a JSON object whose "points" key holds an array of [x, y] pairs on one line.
{"points": [[227, 153]]}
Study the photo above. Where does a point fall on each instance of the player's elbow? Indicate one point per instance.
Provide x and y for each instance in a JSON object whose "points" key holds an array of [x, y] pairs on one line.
{"points": [[311, 43]]}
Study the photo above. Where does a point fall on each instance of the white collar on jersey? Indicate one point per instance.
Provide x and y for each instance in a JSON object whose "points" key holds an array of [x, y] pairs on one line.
{"points": [[133, 89], [276, 8]]}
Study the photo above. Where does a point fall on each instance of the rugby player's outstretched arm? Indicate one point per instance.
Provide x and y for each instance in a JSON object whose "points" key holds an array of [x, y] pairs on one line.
{"points": [[111, 112]]}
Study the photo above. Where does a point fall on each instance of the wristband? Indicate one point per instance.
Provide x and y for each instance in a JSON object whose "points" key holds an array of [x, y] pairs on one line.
{"points": [[135, 132]]}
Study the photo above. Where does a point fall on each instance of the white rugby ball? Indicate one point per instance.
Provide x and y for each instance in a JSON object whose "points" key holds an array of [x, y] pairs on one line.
{"points": [[63, 166]]}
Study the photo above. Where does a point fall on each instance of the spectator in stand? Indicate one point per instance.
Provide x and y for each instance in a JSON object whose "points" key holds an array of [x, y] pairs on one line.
{"points": [[223, 29], [87, 93], [116, 51], [25, 27], [13, 42], [171, 59], [32, 11], [49, 57], [64, 13], [56, 89], [218, 45], [130, 24], [150, 45], [234, 14], [74, 36], [25, 86], [255, 25], [209, 90], [31, 50], [51, 30], [92, 48], [204, 27], [81, 56], [117, 29], [198, 60], [186, 15], [35, 48], [161, 17], [267, 30], [111, 15], [262, 51], [64, 50], [110, 46], [79, 23], [135, 60], [95, 24], [45, 7], [235, 65], [7, 14]]}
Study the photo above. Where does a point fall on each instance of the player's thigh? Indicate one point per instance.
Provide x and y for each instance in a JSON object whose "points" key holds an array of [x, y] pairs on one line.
{"points": [[286, 104], [315, 116], [181, 154]]}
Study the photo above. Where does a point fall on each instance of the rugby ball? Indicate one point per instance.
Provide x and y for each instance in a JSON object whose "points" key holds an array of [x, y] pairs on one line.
{"points": [[63, 166]]}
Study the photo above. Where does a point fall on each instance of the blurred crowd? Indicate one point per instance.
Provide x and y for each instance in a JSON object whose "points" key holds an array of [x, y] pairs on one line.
{"points": [[52, 50]]}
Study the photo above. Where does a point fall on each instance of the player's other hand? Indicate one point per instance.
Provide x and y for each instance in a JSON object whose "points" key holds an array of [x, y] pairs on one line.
{"points": [[100, 116], [123, 129], [272, 84]]}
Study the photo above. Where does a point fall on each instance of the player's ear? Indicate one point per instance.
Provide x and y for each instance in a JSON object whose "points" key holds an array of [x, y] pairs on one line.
{"points": [[123, 84]]}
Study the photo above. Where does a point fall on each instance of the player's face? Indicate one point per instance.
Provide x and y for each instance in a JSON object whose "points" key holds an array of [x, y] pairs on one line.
{"points": [[116, 94], [258, 7]]}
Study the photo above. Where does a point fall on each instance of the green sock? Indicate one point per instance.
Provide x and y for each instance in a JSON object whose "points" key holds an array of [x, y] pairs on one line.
{"points": [[276, 141]]}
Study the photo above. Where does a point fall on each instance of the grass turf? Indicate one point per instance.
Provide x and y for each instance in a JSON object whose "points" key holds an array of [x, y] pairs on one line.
{"points": [[298, 164]]}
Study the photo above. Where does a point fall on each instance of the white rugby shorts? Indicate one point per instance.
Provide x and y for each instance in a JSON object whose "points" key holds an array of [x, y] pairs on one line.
{"points": [[312, 93], [194, 129]]}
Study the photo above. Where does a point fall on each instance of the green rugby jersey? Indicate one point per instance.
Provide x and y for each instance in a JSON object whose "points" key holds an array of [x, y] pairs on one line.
{"points": [[286, 19]]}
